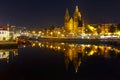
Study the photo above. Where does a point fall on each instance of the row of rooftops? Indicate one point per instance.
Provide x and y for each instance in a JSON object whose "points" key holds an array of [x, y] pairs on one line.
{"points": [[4, 27]]}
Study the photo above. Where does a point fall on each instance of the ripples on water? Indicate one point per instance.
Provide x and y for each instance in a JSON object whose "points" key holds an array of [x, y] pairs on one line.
{"points": [[60, 61]]}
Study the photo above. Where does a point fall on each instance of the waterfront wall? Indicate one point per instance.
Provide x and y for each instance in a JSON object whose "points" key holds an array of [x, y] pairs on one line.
{"points": [[81, 41]]}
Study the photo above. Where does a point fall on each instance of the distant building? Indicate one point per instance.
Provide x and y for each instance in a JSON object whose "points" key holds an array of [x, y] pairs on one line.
{"points": [[104, 28], [17, 30], [4, 33], [71, 24]]}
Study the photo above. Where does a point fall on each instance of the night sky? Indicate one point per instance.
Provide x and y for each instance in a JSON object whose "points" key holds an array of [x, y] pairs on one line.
{"points": [[43, 13]]}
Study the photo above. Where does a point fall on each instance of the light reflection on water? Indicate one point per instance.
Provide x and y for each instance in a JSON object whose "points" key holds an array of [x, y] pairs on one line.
{"points": [[76, 53], [8, 54], [34, 58]]}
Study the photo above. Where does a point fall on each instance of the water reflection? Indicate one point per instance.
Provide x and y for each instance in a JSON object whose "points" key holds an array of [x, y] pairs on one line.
{"points": [[75, 53], [8, 54]]}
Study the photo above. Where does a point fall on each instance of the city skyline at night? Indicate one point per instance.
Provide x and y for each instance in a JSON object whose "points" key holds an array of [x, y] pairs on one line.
{"points": [[35, 13]]}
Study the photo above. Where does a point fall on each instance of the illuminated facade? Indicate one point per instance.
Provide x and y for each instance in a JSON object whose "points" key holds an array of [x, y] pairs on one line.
{"points": [[71, 24], [16, 31], [103, 29], [4, 33]]}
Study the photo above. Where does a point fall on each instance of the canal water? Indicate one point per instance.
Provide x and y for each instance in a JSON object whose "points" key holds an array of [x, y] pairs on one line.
{"points": [[60, 61]]}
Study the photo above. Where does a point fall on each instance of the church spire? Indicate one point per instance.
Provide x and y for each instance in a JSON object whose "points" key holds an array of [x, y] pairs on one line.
{"points": [[67, 15], [76, 10], [66, 19]]}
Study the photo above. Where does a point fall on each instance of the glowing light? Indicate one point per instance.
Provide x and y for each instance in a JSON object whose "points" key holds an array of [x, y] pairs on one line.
{"points": [[33, 44], [58, 32], [58, 48], [39, 44], [51, 33], [91, 53], [51, 46], [39, 32], [33, 32]]}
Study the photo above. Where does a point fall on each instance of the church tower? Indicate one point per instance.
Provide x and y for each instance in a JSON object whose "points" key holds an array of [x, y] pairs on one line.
{"points": [[67, 19], [77, 19], [71, 28]]}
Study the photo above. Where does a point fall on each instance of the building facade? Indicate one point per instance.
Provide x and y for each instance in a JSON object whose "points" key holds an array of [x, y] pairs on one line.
{"points": [[4, 33]]}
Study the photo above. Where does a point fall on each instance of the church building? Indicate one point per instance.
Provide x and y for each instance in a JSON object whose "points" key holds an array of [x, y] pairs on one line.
{"points": [[71, 24]]}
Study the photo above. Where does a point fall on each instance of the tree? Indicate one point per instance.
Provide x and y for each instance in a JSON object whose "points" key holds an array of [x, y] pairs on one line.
{"points": [[52, 27], [118, 26], [87, 30], [98, 30], [112, 29]]}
